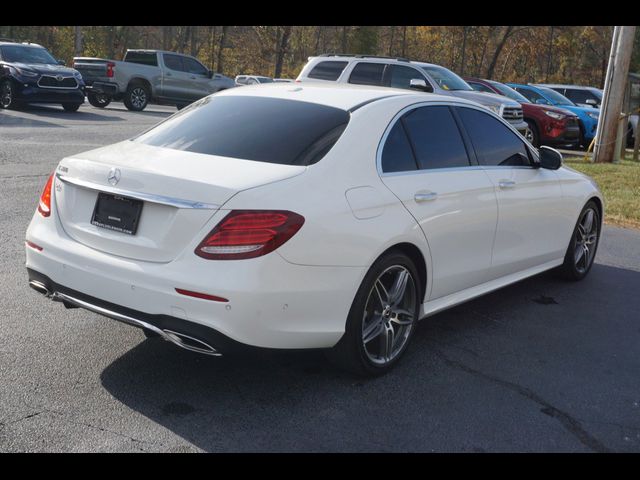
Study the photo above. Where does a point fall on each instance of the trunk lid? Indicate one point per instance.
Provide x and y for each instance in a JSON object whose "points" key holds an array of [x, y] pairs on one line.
{"points": [[180, 192]]}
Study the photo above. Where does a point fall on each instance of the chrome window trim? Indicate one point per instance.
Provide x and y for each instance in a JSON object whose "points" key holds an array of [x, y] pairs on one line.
{"points": [[146, 197], [396, 117], [58, 88]]}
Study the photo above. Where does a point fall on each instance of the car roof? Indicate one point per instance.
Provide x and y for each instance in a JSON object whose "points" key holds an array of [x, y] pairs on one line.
{"points": [[343, 96], [563, 85], [22, 44]]}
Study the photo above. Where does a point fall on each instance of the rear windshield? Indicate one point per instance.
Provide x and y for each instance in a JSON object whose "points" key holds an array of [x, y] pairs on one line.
{"points": [[271, 130], [143, 58]]}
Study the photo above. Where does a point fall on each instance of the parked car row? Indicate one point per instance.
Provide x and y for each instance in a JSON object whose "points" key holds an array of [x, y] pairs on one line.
{"points": [[542, 113]]}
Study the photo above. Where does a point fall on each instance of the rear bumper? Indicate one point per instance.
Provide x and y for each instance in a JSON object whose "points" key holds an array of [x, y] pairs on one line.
{"points": [[272, 303], [35, 94], [103, 88]]}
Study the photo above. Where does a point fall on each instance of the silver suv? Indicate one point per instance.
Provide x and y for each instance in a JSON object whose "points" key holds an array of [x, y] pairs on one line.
{"points": [[403, 73]]}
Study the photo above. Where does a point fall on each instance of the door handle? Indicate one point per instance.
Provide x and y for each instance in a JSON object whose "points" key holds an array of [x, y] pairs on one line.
{"points": [[193, 77], [506, 184], [425, 196], [167, 74]]}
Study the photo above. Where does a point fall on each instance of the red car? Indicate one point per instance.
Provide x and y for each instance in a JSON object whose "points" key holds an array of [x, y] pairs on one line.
{"points": [[548, 125]]}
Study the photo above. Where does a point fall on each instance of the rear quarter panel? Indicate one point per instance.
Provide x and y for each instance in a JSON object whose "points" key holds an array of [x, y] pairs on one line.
{"points": [[351, 217]]}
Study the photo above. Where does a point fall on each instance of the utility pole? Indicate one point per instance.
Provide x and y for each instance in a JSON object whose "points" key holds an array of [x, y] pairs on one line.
{"points": [[77, 50], [614, 91]]}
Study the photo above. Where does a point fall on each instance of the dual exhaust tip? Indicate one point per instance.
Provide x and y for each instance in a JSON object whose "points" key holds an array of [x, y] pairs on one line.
{"points": [[180, 339]]}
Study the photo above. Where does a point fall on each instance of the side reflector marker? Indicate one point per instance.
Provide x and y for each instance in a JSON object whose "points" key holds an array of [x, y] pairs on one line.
{"points": [[33, 245], [204, 296]]}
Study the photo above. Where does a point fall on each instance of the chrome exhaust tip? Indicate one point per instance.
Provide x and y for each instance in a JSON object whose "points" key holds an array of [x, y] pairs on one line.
{"points": [[189, 343], [40, 288]]}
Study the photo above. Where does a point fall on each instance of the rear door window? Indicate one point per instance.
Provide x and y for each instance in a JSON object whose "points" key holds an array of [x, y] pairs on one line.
{"points": [[397, 155], [262, 129], [173, 62], [365, 73], [435, 138], [495, 144], [327, 70], [142, 58]]}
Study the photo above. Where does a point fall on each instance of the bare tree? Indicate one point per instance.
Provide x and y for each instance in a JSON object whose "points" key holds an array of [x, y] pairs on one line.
{"points": [[496, 54], [221, 46], [281, 50]]}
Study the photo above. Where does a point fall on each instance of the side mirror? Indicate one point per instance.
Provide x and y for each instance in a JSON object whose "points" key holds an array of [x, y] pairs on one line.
{"points": [[210, 73], [541, 101], [550, 158], [61, 62], [591, 101], [420, 84]]}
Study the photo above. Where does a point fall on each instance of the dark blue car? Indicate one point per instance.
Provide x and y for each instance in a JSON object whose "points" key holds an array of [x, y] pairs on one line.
{"points": [[30, 74], [588, 116]]}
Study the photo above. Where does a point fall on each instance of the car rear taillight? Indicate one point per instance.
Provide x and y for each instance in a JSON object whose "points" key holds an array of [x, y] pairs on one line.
{"points": [[249, 234], [44, 205], [110, 67]]}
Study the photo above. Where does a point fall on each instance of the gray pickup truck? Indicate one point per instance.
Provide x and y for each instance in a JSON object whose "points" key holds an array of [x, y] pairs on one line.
{"points": [[145, 76]]}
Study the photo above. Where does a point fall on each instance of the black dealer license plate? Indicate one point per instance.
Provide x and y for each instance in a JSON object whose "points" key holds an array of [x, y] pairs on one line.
{"points": [[117, 213]]}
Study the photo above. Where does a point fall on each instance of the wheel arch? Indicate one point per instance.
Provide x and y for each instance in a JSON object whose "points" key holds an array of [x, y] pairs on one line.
{"points": [[141, 81], [416, 255]]}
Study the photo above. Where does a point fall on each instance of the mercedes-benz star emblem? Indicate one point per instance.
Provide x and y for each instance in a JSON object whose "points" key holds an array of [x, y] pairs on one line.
{"points": [[59, 78], [114, 176]]}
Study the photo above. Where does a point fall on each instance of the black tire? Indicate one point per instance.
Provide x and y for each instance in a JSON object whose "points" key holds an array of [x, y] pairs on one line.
{"points": [[71, 107], [575, 268], [98, 100], [350, 353], [7, 95], [150, 334], [137, 97], [535, 136]]}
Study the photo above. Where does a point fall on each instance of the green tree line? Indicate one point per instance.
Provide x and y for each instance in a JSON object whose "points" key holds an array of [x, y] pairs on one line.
{"points": [[575, 54]]}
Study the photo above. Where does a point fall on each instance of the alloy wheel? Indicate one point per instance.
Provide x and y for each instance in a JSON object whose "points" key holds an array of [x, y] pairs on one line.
{"points": [[389, 314], [138, 97], [586, 240], [6, 95], [529, 135]]}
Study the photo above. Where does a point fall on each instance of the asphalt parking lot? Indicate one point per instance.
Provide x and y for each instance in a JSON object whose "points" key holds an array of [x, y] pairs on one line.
{"points": [[542, 365]]}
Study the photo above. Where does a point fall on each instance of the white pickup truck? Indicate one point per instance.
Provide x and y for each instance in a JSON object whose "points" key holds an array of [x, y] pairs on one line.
{"points": [[145, 76]]}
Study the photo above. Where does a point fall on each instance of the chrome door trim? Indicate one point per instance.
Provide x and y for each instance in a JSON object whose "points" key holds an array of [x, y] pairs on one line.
{"points": [[146, 197]]}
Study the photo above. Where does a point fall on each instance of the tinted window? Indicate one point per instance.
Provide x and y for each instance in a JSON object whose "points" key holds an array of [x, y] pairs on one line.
{"points": [[193, 66], [367, 73], [142, 58], [173, 62], [400, 77], [531, 95], [494, 143], [24, 54], [397, 155], [480, 87], [269, 130], [329, 70], [436, 138], [580, 96]]}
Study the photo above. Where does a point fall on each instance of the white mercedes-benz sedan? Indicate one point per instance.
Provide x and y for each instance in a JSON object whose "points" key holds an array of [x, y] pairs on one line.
{"points": [[289, 216]]}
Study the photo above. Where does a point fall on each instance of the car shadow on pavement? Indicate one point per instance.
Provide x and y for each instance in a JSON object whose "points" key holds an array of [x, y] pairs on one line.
{"points": [[49, 111], [147, 113], [530, 367]]}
